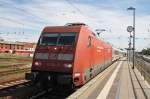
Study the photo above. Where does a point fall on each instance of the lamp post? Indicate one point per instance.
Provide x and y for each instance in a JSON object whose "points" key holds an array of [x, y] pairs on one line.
{"points": [[133, 9]]}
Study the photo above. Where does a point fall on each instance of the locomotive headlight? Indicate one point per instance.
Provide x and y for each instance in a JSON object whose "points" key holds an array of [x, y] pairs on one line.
{"points": [[77, 74], [68, 65], [37, 63]]}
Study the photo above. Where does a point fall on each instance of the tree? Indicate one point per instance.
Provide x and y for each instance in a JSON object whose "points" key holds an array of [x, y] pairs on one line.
{"points": [[146, 51]]}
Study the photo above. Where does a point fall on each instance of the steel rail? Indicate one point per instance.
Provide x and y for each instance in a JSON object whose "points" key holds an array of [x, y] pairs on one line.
{"points": [[4, 73], [12, 86]]}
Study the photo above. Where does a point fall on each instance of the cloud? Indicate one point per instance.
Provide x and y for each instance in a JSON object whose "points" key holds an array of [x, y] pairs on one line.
{"points": [[33, 15]]}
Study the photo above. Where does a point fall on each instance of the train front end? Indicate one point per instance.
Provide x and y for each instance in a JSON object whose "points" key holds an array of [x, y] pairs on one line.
{"points": [[54, 56]]}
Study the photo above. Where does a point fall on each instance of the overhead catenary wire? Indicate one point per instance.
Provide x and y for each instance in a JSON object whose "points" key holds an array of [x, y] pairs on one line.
{"points": [[73, 6], [145, 38], [23, 11], [79, 11]]}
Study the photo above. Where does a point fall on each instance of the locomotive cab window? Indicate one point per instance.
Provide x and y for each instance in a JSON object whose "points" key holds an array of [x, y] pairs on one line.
{"points": [[66, 39], [89, 42], [49, 39], [57, 39]]}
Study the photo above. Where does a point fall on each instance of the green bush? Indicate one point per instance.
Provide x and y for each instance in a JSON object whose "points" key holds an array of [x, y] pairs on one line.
{"points": [[146, 51]]}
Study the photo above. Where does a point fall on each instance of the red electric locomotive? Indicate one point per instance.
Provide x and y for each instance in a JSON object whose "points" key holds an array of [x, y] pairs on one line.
{"points": [[68, 55]]}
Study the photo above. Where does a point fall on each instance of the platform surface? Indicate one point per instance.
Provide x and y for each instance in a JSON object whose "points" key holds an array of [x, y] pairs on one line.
{"points": [[126, 85], [116, 82]]}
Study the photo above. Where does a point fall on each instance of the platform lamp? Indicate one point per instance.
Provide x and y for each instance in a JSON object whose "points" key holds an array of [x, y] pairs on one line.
{"points": [[133, 9]]}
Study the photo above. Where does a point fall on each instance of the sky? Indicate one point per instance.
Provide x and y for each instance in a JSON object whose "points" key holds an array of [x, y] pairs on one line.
{"points": [[23, 20]]}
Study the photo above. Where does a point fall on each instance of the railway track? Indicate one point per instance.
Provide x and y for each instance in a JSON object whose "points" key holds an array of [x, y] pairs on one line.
{"points": [[34, 92], [9, 57], [60, 93], [143, 67], [12, 66], [8, 72], [16, 90], [136, 93], [10, 77], [13, 84]]}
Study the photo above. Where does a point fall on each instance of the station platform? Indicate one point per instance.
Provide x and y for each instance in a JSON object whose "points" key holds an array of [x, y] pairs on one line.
{"points": [[129, 84], [119, 81]]}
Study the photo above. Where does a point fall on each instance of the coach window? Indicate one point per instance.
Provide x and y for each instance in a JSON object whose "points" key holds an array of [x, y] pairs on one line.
{"points": [[89, 42]]}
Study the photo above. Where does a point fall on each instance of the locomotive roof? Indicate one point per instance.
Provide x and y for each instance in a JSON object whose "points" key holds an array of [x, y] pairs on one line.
{"points": [[62, 28]]}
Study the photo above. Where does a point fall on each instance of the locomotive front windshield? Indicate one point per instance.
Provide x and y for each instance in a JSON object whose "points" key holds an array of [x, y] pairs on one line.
{"points": [[57, 39]]}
